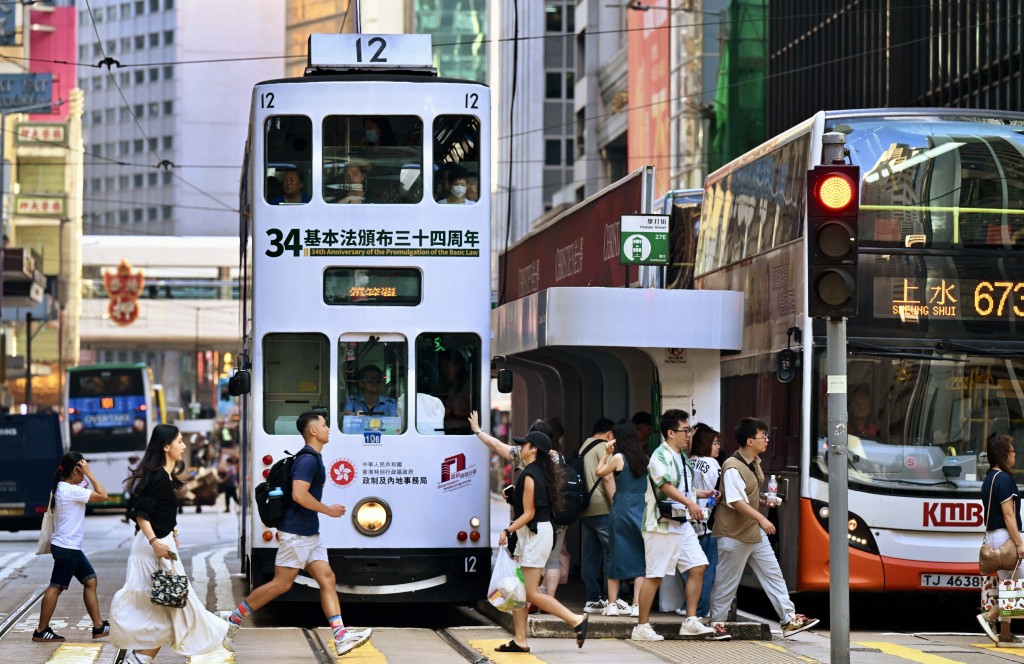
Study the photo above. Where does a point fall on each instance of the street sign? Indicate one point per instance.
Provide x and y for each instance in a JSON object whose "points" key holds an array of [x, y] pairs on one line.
{"points": [[643, 239]]}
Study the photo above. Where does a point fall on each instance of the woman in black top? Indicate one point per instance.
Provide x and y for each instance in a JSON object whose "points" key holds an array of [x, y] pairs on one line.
{"points": [[1002, 523], [136, 623], [537, 492]]}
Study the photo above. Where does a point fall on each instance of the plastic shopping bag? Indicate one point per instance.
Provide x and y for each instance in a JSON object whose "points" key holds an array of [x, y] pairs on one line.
{"points": [[507, 590], [1011, 596]]}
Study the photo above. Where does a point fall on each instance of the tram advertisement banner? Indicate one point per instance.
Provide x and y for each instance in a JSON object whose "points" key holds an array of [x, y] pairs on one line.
{"points": [[333, 241]]}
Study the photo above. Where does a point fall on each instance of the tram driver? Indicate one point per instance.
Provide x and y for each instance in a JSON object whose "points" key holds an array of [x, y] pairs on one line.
{"points": [[372, 402]]}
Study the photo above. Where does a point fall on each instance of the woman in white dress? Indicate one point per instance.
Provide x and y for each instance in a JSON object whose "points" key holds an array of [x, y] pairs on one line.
{"points": [[136, 623]]}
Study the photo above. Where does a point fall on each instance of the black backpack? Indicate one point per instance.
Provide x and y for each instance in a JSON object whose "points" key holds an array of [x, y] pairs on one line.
{"points": [[575, 496], [272, 508]]}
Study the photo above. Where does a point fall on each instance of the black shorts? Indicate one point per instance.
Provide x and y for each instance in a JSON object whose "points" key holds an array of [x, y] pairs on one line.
{"points": [[68, 563]]}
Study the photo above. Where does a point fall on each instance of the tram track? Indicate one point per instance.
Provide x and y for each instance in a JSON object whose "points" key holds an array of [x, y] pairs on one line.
{"points": [[21, 610]]}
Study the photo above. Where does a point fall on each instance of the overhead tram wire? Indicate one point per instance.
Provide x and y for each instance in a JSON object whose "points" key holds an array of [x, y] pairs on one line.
{"points": [[511, 120]]}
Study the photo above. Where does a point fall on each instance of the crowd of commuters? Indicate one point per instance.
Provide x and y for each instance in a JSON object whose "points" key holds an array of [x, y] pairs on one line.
{"points": [[647, 520]]}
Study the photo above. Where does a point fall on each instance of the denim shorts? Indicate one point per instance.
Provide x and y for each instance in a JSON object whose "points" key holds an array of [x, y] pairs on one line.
{"points": [[69, 563]]}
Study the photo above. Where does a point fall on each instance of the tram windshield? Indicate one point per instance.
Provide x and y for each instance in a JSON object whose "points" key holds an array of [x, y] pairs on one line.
{"points": [[953, 183], [373, 159], [288, 141], [923, 423], [447, 382], [372, 385]]}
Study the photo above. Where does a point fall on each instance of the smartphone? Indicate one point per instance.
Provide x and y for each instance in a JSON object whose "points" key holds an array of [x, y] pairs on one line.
{"points": [[508, 491]]}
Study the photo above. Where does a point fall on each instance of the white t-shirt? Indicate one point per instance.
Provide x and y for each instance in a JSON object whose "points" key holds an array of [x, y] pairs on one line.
{"points": [[705, 477], [735, 487], [69, 518]]}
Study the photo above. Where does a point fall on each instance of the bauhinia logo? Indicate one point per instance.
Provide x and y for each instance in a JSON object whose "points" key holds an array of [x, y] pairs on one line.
{"points": [[957, 515], [451, 466]]}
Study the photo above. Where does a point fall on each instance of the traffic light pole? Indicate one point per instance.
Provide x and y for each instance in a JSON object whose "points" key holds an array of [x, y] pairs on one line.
{"points": [[838, 473]]}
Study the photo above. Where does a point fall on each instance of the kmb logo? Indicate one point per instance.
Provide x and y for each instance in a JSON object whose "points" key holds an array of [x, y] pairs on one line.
{"points": [[957, 515], [452, 465]]}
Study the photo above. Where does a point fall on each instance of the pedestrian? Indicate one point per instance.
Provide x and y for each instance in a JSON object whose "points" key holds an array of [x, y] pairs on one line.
{"points": [[644, 424], [299, 543], [553, 566], [68, 497], [133, 463], [594, 528], [136, 623], [704, 452], [1002, 524], [537, 493], [229, 483], [624, 458], [670, 544], [741, 531]]}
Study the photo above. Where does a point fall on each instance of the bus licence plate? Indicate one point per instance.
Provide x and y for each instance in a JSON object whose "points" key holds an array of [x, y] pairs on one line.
{"points": [[951, 581]]}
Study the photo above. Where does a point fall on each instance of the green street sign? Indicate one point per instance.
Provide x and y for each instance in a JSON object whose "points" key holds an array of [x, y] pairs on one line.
{"points": [[643, 239]]}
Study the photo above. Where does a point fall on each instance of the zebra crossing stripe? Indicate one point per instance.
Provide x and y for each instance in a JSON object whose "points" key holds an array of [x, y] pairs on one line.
{"points": [[222, 579], [16, 565], [200, 577]]}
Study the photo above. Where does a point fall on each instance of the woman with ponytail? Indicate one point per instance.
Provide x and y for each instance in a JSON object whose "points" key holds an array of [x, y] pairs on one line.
{"points": [[68, 497], [537, 492]]}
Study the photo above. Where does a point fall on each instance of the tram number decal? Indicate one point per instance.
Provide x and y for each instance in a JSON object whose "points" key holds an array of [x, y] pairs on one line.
{"points": [[381, 44], [291, 242], [469, 565], [267, 100], [471, 99]]}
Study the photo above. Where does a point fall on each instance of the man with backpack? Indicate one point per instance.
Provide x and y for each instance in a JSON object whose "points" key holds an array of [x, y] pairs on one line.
{"points": [[594, 522], [299, 537]]}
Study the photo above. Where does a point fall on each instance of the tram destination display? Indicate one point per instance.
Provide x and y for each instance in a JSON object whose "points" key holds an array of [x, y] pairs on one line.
{"points": [[372, 286]]}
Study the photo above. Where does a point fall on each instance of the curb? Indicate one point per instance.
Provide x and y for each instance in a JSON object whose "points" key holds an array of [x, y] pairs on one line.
{"points": [[544, 626]]}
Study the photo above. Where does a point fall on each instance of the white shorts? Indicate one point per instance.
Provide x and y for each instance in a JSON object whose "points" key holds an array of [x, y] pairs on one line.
{"points": [[667, 552], [298, 551], [532, 549]]}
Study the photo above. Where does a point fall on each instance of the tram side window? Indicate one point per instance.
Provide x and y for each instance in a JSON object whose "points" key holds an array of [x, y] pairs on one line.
{"points": [[373, 159], [295, 379], [372, 385], [447, 382], [456, 159], [288, 142]]}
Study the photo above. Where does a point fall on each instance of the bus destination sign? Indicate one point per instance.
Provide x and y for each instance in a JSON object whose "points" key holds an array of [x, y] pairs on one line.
{"points": [[913, 300]]}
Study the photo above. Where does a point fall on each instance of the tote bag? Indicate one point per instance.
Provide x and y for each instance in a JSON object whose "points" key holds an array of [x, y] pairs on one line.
{"points": [[45, 532]]}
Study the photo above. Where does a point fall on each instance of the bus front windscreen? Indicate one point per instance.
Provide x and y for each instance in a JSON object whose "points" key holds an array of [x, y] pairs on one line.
{"points": [[107, 410], [921, 425]]}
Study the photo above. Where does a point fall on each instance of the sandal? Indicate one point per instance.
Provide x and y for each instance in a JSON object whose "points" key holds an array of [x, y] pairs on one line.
{"points": [[511, 646], [581, 631]]}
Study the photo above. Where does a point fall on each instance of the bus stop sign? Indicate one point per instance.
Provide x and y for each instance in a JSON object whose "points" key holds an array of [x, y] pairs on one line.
{"points": [[643, 239]]}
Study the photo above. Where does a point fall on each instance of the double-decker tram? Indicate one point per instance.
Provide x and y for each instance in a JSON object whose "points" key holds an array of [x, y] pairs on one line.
{"points": [[112, 409], [366, 240], [935, 356]]}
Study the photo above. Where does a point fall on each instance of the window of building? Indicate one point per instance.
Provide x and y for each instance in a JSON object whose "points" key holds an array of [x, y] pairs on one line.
{"points": [[97, 83], [83, 52], [152, 143], [153, 108], [569, 154], [109, 115], [168, 142], [126, 44], [140, 76], [138, 146], [139, 111], [123, 147], [154, 74], [96, 117], [137, 180], [123, 115], [552, 152], [140, 7], [553, 17], [154, 39], [122, 216], [125, 78], [168, 37], [108, 218], [553, 85], [168, 107], [111, 45], [151, 179], [122, 181], [140, 42], [168, 5], [137, 215], [126, 10], [96, 50], [166, 211], [166, 177], [96, 185], [570, 85], [151, 214], [168, 72], [154, 6], [288, 161]]}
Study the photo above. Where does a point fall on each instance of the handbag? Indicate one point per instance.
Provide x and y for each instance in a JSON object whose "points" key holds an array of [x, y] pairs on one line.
{"points": [[991, 559], [45, 532], [169, 589]]}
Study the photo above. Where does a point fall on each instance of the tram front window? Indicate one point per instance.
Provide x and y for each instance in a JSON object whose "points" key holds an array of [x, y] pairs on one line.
{"points": [[288, 145], [923, 424], [372, 385], [447, 382], [295, 379], [373, 159], [456, 159]]}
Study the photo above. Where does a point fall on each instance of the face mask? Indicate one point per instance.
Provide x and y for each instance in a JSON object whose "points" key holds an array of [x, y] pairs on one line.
{"points": [[371, 135], [458, 191]]}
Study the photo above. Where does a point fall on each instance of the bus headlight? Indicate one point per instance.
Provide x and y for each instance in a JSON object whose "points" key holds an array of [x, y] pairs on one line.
{"points": [[858, 534], [371, 516]]}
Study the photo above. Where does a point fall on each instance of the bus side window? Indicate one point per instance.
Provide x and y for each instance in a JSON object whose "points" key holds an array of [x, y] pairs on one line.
{"points": [[288, 145], [456, 159]]}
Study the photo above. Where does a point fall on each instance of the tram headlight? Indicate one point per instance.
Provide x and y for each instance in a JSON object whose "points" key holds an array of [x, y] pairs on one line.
{"points": [[474, 522], [371, 516], [857, 532]]}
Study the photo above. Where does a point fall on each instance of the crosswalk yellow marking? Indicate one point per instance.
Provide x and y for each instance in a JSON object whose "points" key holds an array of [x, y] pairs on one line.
{"points": [[486, 648], [76, 653], [772, 646], [908, 653], [1019, 652], [365, 653], [216, 657]]}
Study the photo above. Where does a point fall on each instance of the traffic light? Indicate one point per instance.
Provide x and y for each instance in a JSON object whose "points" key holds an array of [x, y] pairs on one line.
{"points": [[833, 205]]}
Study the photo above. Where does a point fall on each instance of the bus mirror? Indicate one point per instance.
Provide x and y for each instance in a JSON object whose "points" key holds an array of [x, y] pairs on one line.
{"points": [[240, 383], [786, 366], [504, 381]]}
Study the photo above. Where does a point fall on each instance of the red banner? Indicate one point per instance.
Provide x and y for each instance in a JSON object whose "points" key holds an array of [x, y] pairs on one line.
{"points": [[123, 286]]}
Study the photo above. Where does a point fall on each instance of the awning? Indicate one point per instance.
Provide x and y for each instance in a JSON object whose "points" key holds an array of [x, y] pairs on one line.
{"points": [[619, 317]]}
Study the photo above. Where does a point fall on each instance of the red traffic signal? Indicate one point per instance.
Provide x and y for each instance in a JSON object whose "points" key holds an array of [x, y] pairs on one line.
{"points": [[833, 208]]}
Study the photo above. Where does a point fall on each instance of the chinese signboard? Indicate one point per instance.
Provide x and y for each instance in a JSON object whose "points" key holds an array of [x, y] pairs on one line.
{"points": [[123, 286], [25, 91], [643, 239], [34, 133], [39, 206]]}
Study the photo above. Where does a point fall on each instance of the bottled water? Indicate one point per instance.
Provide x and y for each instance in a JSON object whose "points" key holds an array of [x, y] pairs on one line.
{"points": [[772, 497]]}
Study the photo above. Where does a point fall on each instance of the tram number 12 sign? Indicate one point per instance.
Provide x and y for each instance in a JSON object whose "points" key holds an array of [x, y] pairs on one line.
{"points": [[643, 239]]}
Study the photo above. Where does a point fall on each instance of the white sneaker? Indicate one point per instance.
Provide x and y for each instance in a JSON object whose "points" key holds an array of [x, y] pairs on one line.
{"points": [[594, 607], [610, 610], [635, 611], [135, 658], [351, 640], [622, 607], [645, 633], [692, 626], [681, 612]]}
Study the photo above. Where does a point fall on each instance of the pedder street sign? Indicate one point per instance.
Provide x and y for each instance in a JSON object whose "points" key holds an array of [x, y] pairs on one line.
{"points": [[643, 239]]}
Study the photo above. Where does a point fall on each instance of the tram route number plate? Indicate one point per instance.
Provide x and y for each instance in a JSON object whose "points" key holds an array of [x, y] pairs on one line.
{"points": [[940, 581]]}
